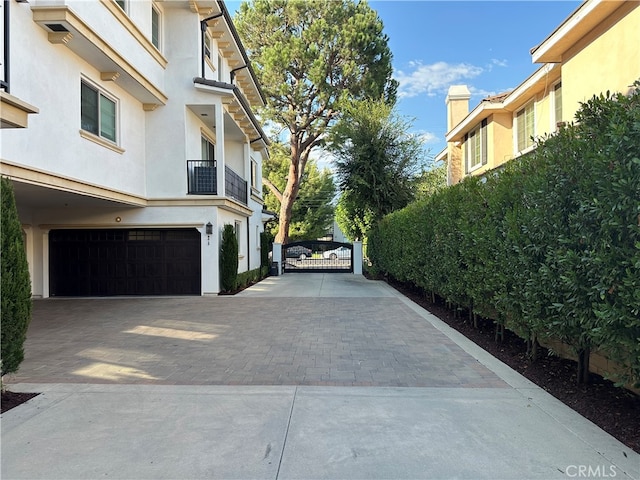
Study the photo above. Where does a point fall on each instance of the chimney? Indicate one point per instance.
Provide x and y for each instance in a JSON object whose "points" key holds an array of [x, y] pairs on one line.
{"points": [[457, 108], [457, 105]]}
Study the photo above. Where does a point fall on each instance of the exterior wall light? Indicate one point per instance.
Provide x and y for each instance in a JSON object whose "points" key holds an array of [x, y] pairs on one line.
{"points": [[208, 231]]}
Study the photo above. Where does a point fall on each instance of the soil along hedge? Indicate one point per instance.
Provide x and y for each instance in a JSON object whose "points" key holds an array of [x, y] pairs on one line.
{"points": [[549, 246], [15, 290]]}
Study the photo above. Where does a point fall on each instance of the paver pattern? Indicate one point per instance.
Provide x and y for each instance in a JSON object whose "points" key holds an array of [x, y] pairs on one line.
{"points": [[243, 341]]}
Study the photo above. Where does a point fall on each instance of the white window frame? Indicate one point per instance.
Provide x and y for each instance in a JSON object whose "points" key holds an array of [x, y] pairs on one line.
{"points": [[208, 46], [206, 138], [116, 120], [476, 147], [516, 139], [155, 9], [554, 106], [123, 4]]}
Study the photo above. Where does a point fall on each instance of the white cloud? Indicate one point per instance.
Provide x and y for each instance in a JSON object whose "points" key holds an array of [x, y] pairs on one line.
{"points": [[428, 137], [499, 63], [433, 79]]}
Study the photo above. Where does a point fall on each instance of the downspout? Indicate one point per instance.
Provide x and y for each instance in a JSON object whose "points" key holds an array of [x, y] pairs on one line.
{"points": [[5, 79], [232, 73], [248, 245], [203, 28]]}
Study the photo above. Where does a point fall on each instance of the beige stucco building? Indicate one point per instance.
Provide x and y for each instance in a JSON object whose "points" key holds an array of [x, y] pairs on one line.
{"points": [[595, 50]]}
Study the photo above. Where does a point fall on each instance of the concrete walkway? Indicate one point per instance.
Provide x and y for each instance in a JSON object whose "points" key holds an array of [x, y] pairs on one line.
{"points": [[302, 376]]}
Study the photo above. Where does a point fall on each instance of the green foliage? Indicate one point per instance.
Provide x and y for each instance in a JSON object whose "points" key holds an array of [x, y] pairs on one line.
{"points": [[15, 289], [431, 180], [353, 219], [312, 213], [548, 246], [248, 278], [376, 159], [228, 260], [312, 57], [266, 243]]}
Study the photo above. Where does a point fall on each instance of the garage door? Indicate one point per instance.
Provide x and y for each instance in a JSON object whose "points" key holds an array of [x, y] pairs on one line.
{"points": [[124, 262]]}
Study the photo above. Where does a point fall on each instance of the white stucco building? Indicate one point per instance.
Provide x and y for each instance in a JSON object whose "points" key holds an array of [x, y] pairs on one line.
{"points": [[127, 130]]}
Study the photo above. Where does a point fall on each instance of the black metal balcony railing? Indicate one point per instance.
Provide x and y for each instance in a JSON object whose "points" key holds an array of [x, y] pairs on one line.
{"points": [[202, 177], [235, 186]]}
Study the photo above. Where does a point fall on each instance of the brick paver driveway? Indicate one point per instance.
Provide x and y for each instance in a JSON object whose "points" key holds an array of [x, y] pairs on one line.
{"points": [[243, 340]]}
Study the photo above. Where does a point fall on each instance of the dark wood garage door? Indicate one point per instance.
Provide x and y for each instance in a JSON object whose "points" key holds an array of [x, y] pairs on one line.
{"points": [[124, 262]]}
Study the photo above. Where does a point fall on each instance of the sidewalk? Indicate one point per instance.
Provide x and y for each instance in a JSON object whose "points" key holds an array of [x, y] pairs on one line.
{"points": [[434, 405]]}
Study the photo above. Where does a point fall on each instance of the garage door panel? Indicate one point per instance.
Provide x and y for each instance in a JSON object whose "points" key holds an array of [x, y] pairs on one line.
{"points": [[124, 262]]}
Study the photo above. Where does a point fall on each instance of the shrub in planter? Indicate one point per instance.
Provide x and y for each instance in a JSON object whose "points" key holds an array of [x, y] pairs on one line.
{"points": [[15, 290]]}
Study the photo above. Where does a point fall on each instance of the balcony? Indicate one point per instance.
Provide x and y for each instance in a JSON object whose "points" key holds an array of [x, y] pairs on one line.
{"points": [[235, 186], [202, 179]]}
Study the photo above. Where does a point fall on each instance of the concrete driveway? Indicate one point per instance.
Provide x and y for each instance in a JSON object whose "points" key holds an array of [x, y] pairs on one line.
{"points": [[300, 376]]}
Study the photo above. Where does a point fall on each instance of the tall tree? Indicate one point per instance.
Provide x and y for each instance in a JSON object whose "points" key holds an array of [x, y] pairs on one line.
{"points": [[312, 212], [311, 56], [377, 160]]}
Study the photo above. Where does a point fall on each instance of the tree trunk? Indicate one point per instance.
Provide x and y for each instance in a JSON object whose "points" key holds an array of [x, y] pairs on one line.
{"points": [[286, 205]]}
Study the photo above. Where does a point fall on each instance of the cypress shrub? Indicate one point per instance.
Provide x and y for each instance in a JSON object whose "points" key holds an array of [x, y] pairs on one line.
{"points": [[228, 259], [266, 242], [15, 287]]}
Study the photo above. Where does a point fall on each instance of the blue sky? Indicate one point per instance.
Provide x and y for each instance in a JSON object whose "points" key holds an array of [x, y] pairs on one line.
{"points": [[436, 44]]}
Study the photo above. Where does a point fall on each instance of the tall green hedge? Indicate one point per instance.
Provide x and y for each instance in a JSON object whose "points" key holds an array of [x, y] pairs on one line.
{"points": [[548, 246], [228, 259], [15, 284]]}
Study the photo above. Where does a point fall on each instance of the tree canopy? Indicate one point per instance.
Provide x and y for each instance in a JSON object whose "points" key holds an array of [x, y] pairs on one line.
{"points": [[377, 160], [311, 57]]}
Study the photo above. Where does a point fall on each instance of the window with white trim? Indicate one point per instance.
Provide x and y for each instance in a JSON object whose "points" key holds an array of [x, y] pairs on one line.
{"points": [[207, 46], [208, 149], [237, 228], [156, 26], [525, 126], [254, 174], [476, 147], [123, 5], [98, 112], [557, 104]]}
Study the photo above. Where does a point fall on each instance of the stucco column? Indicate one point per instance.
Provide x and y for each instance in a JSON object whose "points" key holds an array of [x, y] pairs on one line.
{"points": [[276, 255], [219, 147], [45, 264], [357, 258]]}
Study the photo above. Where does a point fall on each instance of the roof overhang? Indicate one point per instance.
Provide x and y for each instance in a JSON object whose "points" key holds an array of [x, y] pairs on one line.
{"points": [[65, 27], [522, 94], [586, 17], [14, 113]]}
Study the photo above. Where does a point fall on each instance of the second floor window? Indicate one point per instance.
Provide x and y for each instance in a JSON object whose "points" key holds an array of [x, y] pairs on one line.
{"points": [[122, 4], [476, 147], [207, 46], [155, 26], [557, 103], [525, 122], [208, 149], [97, 112]]}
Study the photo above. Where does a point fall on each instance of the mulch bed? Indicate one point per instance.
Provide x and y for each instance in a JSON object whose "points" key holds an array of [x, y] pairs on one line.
{"points": [[615, 410], [11, 399]]}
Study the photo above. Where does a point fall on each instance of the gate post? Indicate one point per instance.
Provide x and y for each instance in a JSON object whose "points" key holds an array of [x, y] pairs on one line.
{"points": [[276, 256], [357, 258]]}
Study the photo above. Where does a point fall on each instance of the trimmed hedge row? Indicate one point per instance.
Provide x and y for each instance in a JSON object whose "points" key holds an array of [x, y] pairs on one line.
{"points": [[549, 246]]}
